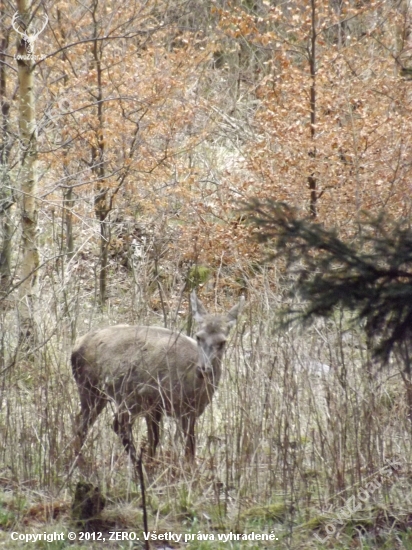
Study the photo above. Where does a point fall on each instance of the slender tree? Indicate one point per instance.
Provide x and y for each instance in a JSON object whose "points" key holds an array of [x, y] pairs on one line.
{"points": [[312, 68], [28, 169], [6, 195]]}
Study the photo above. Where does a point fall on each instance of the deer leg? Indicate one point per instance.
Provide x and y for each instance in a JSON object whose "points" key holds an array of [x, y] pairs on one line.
{"points": [[92, 402], [122, 425], [153, 430], [188, 426]]}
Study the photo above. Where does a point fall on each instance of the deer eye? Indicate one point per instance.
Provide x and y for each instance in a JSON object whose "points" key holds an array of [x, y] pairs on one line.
{"points": [[221, 345]]}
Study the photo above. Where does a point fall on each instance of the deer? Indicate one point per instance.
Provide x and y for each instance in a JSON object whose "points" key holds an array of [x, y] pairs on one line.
{"points": [[151, 371]]}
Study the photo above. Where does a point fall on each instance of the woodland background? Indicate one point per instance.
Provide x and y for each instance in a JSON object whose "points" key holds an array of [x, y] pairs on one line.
{"points": [[128, 149]]}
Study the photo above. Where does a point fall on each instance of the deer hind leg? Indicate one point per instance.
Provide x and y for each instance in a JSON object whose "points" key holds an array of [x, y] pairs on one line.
{"points": [[153, 419], [92, 402]]}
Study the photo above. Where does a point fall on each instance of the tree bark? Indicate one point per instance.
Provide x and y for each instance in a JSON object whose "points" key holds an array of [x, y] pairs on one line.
{"points": [[28, 177], [6, 196], [100, 202], [312, 183]]}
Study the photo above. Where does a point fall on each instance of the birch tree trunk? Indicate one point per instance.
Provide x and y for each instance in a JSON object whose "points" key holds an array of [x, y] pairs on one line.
{"points": [[27, 177]]}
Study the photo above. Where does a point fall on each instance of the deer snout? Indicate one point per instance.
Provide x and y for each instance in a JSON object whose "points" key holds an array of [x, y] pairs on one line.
{"points": [[205, 360], [204, 370]]}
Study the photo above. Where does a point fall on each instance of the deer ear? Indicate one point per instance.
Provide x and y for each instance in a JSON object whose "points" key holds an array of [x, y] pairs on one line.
{"points": [[198, 309], [235, 312]]}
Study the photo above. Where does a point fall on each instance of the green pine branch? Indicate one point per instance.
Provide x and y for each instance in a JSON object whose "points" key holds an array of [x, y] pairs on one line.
{"points": [[370, 276]]}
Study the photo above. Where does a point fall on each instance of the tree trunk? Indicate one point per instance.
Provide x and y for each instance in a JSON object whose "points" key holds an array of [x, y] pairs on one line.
{"points": [[68, 203], [100, 202], [312, 183], [6, 195], [28, 177]]}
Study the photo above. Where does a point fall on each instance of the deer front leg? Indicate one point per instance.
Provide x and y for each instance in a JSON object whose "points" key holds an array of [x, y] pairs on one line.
{"points": [[153, 419], [122, 425], [188, 426]]}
